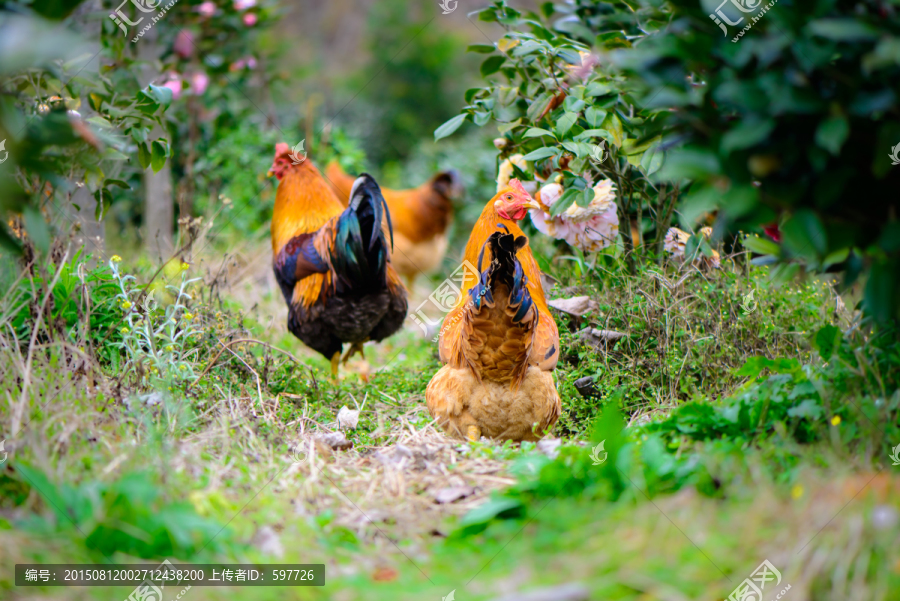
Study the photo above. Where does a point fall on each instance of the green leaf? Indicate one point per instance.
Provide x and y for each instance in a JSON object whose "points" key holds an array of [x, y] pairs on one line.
{"points": [[537, 107], [585, 198], [505, 127], [535, 132], [760, 246], [746, 134], [481, 48], [565, 123], [482, 117], [144, 155], [579, 149], [842, 30], [804, 235], [158, 155], [541, 153], [809, 409], [493, 508], [827, 340], [595, 116], [832, 133], [565, 201], [37, 228], [161, 95], [449, 126], [598, 89], [492, 65]]}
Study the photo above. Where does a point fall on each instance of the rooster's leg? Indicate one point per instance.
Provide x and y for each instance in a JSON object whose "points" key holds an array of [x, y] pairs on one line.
{"points": [[473, 432], [356, 347], [335, 361]]}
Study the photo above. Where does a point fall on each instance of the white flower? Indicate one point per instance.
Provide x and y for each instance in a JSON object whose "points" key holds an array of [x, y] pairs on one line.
{"points": [[589, 228], [505, 173]]}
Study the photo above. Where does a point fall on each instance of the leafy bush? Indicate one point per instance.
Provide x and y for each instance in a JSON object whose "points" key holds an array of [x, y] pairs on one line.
{"points": [[791, 123], [129, 515]]}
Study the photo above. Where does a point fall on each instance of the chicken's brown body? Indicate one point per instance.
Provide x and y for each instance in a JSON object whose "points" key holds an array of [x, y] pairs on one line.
{"points": [[500, 343], [420, 216], [332, 263]]}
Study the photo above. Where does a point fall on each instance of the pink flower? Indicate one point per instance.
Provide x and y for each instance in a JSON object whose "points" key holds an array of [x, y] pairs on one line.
{"points": [[251, 62], [184, 44], [244, 4], [206, 9], [199, 83], [250, 19], [175, 84]]}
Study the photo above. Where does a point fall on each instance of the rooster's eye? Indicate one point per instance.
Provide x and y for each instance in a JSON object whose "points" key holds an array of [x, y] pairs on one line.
{"points": [[508, 197]]}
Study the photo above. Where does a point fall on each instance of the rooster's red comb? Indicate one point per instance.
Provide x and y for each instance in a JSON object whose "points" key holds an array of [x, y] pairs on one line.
{"points": [[281, 149], [518, 187]]}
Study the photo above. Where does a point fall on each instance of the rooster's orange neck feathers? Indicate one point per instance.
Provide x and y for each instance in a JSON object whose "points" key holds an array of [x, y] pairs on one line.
{"points": [[303, 203]]}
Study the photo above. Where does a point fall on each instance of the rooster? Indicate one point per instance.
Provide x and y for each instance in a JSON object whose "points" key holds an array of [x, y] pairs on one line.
{"points": [[421, 218], [332, 263], [499, 343]]}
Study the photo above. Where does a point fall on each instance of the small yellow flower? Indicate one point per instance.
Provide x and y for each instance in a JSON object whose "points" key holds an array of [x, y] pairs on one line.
{"points": [[189, 316], [124, 330], [836, 420], [181, 367], [126, 305], [184, 266], [169, 347], [116, 258], [797, 491]]}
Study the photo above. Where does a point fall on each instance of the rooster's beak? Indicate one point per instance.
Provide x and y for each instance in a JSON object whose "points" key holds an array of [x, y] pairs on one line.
{"points": [[270, 173], [533, 204]]}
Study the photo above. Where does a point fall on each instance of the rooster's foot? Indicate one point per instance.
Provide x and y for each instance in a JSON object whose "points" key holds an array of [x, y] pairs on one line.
{"points": [[473, 433], [335, 361], [356, 347]]}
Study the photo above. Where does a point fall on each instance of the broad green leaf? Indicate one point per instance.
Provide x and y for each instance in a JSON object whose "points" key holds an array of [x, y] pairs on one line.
{"points": [[565, 201], [158, 156], [565, 123], [760, 246], [37, 228], [492, 65], [537, 107], [828, 339], [541, 153], [585, 198], [579, 149], [745, 135], [535, 132], [843, 30], [144, 155], [804, 235], [505, 127], [594, 116], [481, 48], [449, 126], [832, 133]]}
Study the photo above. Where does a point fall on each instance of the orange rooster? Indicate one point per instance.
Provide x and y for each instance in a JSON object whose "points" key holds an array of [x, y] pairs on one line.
{"points": [[499, 343], [332, 263], [421, 217]]}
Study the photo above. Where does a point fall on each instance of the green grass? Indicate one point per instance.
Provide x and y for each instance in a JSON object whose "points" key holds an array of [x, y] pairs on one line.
{"points": [[720, 428]]}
